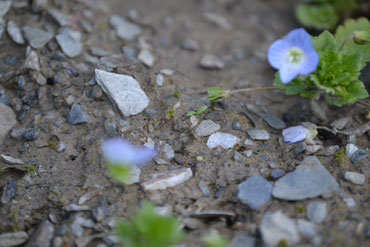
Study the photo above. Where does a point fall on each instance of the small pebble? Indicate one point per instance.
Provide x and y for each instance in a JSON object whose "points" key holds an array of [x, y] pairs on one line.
{"points": [[203, 188], [316, 211], [206, 128], [277, 173], [355, 178], [258, 134], [359, 155], [77, 115], [209, 61], [223, 140]]}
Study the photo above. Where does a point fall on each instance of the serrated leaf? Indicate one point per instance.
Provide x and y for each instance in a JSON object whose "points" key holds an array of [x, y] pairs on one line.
{"points": [[148, 228], [318, 16], [349, 27]]}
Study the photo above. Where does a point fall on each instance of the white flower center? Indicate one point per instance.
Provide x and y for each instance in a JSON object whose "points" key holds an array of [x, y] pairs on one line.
{"points": [[294, 55]]}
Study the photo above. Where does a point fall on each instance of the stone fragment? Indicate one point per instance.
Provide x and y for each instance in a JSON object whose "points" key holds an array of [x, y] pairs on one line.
{"points": [[316, 211], [159, 79], [255, 191], [37, 38], [341, 123], [218, 20], [32, 61], [223, 140], [276, 227], [11, 239], [203, 188], [162, 181], [123, 91], [258, 134], [15, 33], [9, 191], [243, 240], [273, 121], [77, 115], [308, 230], [39, 5], [206, 128], [4, 7], [350, 150], [147, 57], [168, 151], [355, 178], [309, 180], [70, 41], [189, 45], [133, 176], [42, 236], [311, 149], [31, 134], [11, 160], [60, 17], [210, 61], [7, 121], [277, 173], [359, 155], [125, 30]]}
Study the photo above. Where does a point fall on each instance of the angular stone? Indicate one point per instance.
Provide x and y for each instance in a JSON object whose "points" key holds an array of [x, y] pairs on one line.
{"points": [[11, 160], [146, 56], [223, 140], [59, 17], [350, 150], [4, 7], [9, 191], [276, 227], [70, 41], [218, 20], [32, 61], [210, 61], [42, 236], [273, 121], [37, 38], [309, 180], [77, 115], [316, 211], [15, 33], [206, 128], [258, 134], [125, 30], [7, 121], [355, 178], [164, 180], [255, 191], [340, 123], [39, 5], [123, 91], [11, 239], [359, 155]]}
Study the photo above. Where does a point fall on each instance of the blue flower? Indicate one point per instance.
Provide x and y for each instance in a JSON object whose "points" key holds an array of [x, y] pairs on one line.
{"points": [[293, 55], [295, 134], [121, 152]]}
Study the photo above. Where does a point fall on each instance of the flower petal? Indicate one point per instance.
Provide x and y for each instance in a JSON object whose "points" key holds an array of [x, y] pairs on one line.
{"points": [[288, 72], [295, 134], [276, 53], [311, 61], [300, 38]]}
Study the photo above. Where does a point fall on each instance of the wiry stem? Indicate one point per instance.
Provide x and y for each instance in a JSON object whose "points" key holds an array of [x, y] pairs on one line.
{"points": [[346, 40], [247, 90], [363, 103]]}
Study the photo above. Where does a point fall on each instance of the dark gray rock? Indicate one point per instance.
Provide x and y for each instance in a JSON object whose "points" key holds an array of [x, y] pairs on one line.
{"points": [[255, 191], [309, 180], [277, 173], [9, 191], [4, 99], [31, 134], [273, 121], [359, 155], [77, 115]]}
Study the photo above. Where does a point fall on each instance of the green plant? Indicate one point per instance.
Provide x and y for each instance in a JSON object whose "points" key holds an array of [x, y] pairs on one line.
{"points": [[148, 228], [200, 109], [214, 239]]}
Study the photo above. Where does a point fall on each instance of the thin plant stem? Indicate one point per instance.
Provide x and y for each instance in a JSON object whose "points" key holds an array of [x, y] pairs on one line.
{"points": [[363, 103], [346, 40], [247, 90]]}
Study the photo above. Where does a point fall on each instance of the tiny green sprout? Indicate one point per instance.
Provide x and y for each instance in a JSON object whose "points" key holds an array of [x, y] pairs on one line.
{"points": [[339, 156], [198, 111], [148, 228], [214, 239], [216, 94], [300, 208], [31, 168], [176, 93], [120, 173], [282, 243], [361, 37]]}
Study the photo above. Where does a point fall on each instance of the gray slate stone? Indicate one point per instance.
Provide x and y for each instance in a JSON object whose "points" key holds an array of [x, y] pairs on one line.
{"points": [[36, 37], [7, 121], [70, 41], [359, 155], [10, 239], [9, 191], [255, 191], [273, 121], [355, 178], [4, 7], [15, 33], [123, 91], [42, 236], [125, 30], [316, 211], [147, 57], [258, 134], [210, 61], [309, 180], [77, 115], [206, 128], [276, 227]]}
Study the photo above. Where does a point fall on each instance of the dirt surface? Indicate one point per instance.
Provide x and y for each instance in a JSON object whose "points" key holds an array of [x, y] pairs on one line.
{"points": [[50, 181]]}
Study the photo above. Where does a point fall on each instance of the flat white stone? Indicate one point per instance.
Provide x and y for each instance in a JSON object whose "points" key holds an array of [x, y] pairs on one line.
{"points": [[350, 150], [355, 178], [223, 140], [162, 181], [123, 91], [206, 128], [125, 29], [11, 160]]}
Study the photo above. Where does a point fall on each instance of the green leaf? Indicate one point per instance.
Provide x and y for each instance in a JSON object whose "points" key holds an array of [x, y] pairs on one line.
{"points": [[189, 113], [120, 172], [349, 27], [295, 87], [148, 228], [216, 94], [318, 16], [200, 109], [215, 240]]}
